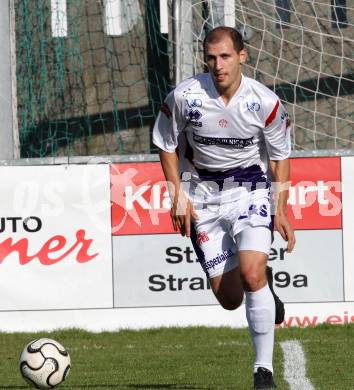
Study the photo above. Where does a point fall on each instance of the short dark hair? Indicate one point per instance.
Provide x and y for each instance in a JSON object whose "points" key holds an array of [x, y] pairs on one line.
{"points": [[218, 33]]}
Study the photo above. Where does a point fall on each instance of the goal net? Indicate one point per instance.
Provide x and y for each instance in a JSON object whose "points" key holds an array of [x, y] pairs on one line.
{"points": [[302, 50], [91, 75]]}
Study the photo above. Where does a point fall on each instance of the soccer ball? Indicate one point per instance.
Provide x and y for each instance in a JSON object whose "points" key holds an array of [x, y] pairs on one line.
{"points": [[246, 32], [44, 363]]}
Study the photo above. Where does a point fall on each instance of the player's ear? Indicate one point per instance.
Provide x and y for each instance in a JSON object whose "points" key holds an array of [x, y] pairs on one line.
{"points": [[243, 56]]}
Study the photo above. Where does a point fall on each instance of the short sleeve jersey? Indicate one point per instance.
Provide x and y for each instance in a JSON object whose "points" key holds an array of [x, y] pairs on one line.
{"points": [[251, 129]]}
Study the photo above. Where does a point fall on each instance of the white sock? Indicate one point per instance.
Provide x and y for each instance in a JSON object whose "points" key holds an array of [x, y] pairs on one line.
{"points": [[260, 313]]}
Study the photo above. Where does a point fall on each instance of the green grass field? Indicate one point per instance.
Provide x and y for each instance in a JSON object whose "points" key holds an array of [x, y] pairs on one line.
{"points": [[185, 358]]}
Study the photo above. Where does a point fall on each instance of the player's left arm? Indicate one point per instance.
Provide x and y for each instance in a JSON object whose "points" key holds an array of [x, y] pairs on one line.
{"points": [[280, 170], [277, 128]]}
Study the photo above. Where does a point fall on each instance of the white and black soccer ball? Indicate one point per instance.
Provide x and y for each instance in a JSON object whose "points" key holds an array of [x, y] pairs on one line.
{"points": [[246, 32], [44, 363]]}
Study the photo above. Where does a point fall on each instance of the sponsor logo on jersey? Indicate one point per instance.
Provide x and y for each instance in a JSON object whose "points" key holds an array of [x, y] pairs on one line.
{"points": [[238, 143], [253, 106], [223, 123], [194, 103], [166, 110], [194, 115], [220, 258]]}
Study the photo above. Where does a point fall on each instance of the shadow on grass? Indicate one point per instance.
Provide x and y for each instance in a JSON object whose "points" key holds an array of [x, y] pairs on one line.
{"points": [[166, 386], [10, 387], [117, 386]]}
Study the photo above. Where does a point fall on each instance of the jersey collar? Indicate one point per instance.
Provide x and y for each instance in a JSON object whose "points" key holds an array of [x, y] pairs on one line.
{"points": [[215, 94]]}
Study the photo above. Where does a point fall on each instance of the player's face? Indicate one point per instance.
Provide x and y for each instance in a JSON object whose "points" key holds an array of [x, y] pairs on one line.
{"points": [[224, 64]]}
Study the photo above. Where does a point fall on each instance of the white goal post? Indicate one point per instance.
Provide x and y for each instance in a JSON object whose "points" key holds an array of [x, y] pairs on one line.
{"points": [[9, 138]]}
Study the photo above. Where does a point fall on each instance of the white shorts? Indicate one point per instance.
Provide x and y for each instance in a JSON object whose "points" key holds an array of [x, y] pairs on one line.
{"points": [[223, 230]]}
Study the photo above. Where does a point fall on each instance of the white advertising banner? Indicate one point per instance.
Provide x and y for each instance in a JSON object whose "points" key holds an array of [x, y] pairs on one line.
{"points": [[297, 314], [55, 243], [164, 271], [154, 269], [92, 246], [313, 272], [348, 225]]}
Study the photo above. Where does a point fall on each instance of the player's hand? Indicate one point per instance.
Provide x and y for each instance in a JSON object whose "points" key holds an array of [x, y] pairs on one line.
{"points": [[283, 226], [182, 214]]}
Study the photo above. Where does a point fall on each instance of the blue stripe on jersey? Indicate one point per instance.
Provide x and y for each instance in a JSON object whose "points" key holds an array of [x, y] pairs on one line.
{"points": [[249, 177]]}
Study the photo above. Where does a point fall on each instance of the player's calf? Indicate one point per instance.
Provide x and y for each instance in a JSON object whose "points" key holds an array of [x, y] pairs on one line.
{"points": [[227, 289]]}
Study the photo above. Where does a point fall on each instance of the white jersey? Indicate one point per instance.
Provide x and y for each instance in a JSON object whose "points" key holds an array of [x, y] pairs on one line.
{"points": [[214, 138]]}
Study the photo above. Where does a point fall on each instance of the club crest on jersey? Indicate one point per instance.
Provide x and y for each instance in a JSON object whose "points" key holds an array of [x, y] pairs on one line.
{"points": [[253, 106], [194, 103], [223, 123]]}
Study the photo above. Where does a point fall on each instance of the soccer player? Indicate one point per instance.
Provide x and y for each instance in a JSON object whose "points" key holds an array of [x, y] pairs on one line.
{"points": [[222, 138]]}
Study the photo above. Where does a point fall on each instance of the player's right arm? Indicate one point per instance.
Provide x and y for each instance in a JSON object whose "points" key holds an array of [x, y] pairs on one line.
{"points": [[168, 126], [181, 208]]}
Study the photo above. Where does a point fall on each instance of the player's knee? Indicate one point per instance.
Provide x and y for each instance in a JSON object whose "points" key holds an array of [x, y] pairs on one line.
{"points": [[253, 280]]}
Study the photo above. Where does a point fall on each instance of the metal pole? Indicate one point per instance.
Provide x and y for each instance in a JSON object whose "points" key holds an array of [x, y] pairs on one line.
{"points": [[7, 84], [15, 130], [176, 39]]}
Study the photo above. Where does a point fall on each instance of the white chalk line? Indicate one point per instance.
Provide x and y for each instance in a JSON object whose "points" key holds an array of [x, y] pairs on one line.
{"points": [[295, 366]]}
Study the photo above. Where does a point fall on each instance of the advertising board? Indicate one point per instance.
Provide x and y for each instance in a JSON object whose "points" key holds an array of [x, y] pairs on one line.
{"points": [[92, 246], [54, 250], [140, 201], [348, 226], [163, 268]]}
